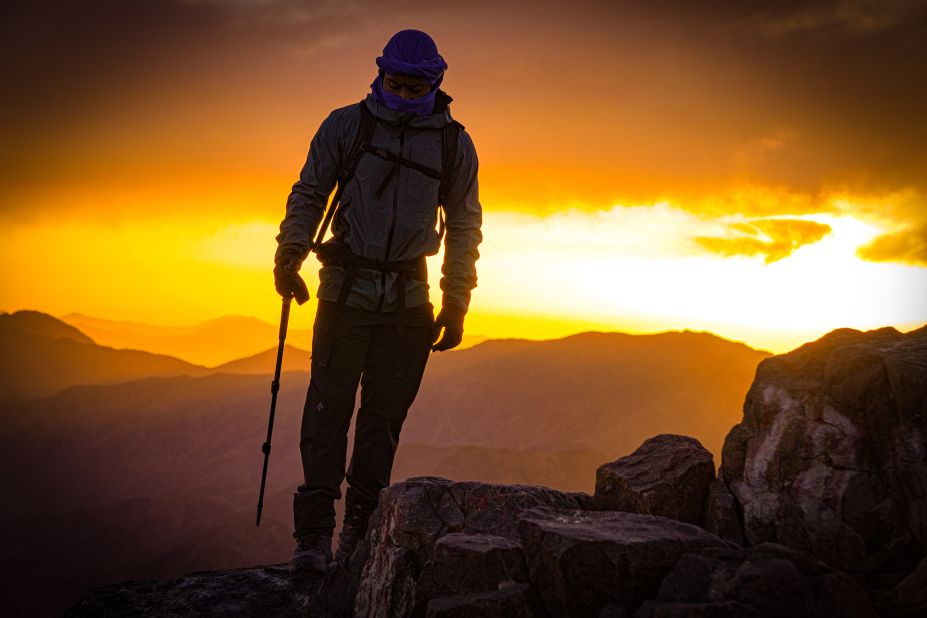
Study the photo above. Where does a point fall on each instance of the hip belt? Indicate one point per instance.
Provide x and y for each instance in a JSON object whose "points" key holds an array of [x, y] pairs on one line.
{"points": [[337, 253]]}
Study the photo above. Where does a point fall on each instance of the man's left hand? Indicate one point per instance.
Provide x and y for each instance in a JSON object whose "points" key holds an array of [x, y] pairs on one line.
{"points": [[451, 319]]}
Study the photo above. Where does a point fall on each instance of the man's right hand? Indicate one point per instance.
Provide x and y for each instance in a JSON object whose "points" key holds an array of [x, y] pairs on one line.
{"points": [[450, 319], [286, 276]]}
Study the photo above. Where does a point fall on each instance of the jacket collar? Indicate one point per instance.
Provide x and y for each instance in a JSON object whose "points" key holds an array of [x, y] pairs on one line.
{"points": [[440, 116]]}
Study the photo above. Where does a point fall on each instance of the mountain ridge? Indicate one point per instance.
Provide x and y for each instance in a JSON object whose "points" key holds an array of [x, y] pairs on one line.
{"points": [[40, 355], [33, 338]]}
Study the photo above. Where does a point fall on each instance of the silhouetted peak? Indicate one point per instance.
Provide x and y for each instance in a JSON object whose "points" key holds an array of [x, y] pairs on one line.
{"points": [[40, 324]]}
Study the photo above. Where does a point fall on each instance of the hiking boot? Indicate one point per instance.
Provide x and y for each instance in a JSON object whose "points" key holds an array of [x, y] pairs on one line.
{"points": [[351, 533], [313, 552]]}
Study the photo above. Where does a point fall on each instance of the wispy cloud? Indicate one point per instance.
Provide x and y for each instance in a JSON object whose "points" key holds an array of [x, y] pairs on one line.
{"points": [[755, 151], [908, 246], [902, 218], [773, 238]]}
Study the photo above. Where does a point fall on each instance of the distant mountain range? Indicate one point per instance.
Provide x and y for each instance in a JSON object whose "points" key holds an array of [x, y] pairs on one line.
{"points": [[150, 469], [599, 392], [40, 355], [294, 359], [220, 341], [210, 343]]}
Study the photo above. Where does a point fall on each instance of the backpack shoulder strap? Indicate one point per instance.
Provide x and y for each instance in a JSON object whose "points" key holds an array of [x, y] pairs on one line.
{"points": [[450, 137], [365, 128], [449, 140]]}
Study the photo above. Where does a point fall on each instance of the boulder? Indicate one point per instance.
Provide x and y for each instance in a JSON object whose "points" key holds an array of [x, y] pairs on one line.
{"points": [[381, 577], [768, 580], [831, 455], [468, 563], [722, 513], [580, 562], [667, 475]]}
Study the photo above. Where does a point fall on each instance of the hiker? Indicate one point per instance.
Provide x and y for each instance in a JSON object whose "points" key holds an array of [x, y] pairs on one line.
{"points": [[414, 181]]}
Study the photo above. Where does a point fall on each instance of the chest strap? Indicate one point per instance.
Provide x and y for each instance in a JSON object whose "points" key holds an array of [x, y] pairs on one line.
{"points": [[397, 161]]}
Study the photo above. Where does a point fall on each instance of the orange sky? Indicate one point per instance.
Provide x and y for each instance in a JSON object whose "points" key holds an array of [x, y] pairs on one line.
{"points": [[756, 170]]}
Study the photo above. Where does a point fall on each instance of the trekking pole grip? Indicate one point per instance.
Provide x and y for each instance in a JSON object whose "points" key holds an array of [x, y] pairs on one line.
{"points": [[285, 316]]}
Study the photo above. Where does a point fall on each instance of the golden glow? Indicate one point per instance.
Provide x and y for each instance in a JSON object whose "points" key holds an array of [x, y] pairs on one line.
{"points": [[630, 268], [637, 269], [639, 171]]}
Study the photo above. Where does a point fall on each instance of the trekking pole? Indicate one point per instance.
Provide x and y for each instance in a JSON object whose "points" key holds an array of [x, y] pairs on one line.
{"points": [[274, 387]]}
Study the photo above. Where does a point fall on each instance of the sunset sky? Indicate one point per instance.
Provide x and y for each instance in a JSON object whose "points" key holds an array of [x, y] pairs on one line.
{"points": [[755, 169]]}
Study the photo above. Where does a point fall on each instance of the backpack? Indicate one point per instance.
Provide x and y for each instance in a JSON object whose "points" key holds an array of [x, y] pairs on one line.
{"points": [[450, 135]]}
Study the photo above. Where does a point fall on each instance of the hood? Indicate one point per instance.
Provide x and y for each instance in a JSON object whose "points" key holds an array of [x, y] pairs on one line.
{"points": [[436, 120]]}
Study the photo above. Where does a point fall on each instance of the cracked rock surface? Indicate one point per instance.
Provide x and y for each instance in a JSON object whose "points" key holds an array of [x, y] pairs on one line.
{"points": [[766, 580], [381, 577], [831, 455], [463, 563], [581, 561]]}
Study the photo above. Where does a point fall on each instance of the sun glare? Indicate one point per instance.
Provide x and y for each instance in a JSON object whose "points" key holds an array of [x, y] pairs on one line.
{"points": [[630, 268], [634, 266]]}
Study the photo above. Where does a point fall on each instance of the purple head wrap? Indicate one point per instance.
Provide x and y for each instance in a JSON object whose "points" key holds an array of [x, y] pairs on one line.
{"points": [[410, 52]]}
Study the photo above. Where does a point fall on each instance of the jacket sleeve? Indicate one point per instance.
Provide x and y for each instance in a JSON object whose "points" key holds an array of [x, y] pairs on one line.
{"points": [[306, 203], [463, 220]]}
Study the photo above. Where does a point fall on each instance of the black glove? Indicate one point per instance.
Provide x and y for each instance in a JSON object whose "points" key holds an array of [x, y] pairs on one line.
{"points": [[286, 274], [451, 319]]}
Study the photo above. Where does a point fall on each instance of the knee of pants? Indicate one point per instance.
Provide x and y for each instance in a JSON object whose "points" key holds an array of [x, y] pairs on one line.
{"points": [[376, 428], [331, 393], [325, 414], [390, 398], [392, 413]]}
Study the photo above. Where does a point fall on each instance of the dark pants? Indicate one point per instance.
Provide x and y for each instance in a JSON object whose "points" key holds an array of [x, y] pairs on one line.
{"points": [[368, 344]]}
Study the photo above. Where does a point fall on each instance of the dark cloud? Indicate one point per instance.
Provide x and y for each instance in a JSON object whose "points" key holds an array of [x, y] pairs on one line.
{"points": [[773, 238], [836, 18], [287, 12], [593, 102]]}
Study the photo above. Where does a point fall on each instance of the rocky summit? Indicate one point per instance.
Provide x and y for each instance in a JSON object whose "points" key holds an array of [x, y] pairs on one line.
{"points": [[819, 509]]}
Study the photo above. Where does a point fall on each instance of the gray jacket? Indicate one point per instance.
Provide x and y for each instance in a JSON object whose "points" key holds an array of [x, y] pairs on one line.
{"points": [[401, 223]]}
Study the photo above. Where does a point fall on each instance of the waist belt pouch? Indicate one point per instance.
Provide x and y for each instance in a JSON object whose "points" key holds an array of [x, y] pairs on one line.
{"points": [[333, 252]]}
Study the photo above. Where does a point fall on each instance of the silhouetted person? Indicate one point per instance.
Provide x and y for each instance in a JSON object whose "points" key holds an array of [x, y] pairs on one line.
{"points": [[375, 325]]}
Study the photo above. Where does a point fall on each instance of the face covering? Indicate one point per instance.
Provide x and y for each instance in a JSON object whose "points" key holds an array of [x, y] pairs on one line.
{"points": [[410, 52]]}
